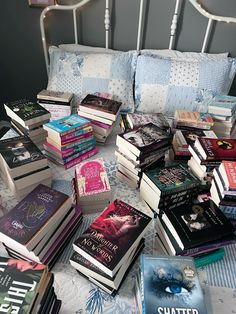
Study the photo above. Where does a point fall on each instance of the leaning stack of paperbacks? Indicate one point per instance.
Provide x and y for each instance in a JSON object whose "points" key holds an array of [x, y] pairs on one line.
{"points": [[39, 226], [27, 288], [139, 149], [23, 166], [107, 249], [91, 186], [102, 112], [28, 117], [70, 140]]}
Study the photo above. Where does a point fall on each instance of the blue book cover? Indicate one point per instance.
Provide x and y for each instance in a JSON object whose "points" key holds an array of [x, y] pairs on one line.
{"points": [[67, 124], [170, 284]]}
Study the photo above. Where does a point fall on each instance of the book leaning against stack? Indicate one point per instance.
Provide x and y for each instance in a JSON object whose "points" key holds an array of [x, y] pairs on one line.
{"points": [[70, 140], [102, 112], [104, 252], [139, 149], [39, 226], [28, 117], [92, 189], [23, 166], [27, 288]]}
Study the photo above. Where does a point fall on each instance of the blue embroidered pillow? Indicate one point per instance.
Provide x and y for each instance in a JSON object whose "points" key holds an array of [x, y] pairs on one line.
{"points": [[87, 73], [164, 84]]}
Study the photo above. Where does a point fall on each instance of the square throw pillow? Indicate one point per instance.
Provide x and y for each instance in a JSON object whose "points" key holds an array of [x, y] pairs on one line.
{"points": [[88, 72], [164, 84]]}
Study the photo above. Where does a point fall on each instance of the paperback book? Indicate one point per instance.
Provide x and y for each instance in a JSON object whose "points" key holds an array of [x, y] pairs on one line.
{"points": [[137, 119], [112, 236]]}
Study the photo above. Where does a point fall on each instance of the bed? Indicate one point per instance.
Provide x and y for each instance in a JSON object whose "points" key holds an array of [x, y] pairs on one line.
{"points": [[131, 77]]}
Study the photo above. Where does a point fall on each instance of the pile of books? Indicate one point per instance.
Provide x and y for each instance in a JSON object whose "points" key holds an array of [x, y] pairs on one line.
{"points": [[22, 165], [194, 229], [222, 108], [168, 284], [27, 288], [168, 187], [92, 189], [223, 188], [139, 149], [103, 112], [106, 250], [59, 104], [192, 119], [70, 140], [28, 118], [39, 226]]}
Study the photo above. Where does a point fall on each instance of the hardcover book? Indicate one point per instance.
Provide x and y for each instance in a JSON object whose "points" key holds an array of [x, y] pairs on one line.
{"points": [[138, 119], [20, 155], [26, 112], [30, 219], [112, 236], [216, 148], [171, 179], [193, 119], [20, 282], [169, 284], [100, 106], [197, 224], [91, 178], [53, 95], [66, 125], [144, 139]]}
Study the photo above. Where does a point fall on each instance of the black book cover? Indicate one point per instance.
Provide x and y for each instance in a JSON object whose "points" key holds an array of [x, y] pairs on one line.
{"points": [[101, 104]]}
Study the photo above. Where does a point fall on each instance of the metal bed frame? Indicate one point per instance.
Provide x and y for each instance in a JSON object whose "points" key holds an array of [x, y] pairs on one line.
{"points": [[173, 28]]}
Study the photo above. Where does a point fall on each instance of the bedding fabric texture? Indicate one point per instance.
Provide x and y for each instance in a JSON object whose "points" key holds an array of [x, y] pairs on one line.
{"points": [[87, 73], [164, 84]]}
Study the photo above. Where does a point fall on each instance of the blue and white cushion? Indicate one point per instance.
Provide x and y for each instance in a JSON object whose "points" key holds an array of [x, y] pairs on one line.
{"points": [[87, 73], [164, 84]]}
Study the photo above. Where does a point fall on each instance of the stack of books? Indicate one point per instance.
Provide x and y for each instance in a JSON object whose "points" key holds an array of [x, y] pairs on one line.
{"points": [[223, 188], [192, 119], [27, 288], [168, 284], [222, 108], [28, 117], [194, 229], [102, 112], [59, 104], [168, 187], [105, 251], [92, 189], [39, 226], [70, 140], [23, 166], [139, 149]]}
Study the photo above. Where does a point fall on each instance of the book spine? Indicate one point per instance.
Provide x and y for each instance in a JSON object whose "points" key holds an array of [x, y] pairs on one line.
{"points": [[76, 138], [81, 158], [66, 160], [208, 258], [76, 133], [142, 284], [77, 143], [69, 131], [53, 102]]}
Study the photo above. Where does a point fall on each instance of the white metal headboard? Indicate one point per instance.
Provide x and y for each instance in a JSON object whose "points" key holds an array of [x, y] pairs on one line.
{"points": [[211, 18]]}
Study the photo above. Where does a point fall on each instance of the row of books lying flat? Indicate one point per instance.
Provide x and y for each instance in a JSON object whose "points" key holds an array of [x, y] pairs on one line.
{"points": [[27, 288]]}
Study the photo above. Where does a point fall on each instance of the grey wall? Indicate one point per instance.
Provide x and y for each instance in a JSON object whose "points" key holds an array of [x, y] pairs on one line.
{"points": [[22, 68]]}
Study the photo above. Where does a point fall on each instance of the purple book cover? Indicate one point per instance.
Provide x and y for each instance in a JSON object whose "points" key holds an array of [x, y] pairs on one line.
{"points": [[81, 158], [113, 233], [31, 213]]}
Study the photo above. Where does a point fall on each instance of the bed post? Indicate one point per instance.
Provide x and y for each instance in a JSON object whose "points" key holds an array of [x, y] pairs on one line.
{"points": [[107, 23], [174, 24], [140, 24]]}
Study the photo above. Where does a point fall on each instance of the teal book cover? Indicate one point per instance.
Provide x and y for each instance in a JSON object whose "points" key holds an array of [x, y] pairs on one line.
{"points": [[170, 284], [172, 178], [225, 101], [68, 123]]}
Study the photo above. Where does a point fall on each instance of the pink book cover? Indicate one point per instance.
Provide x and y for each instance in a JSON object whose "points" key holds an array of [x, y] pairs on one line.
{"points": [[76, 138], [64, 153], [91, 177], [102, 125], [81, 158]]}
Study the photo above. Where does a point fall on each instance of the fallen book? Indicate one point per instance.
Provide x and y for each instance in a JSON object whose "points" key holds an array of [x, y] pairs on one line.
{"points": [[103, 242]]}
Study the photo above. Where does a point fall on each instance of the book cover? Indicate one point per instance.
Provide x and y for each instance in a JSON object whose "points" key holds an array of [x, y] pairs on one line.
{"points": [[190, 136], [104, 105], [228, 170], [223, 104], [138, 119], [91, 178], [112, 236], [193, 117], [67, 124], [173, 178], [54, 95], [31, 213], [19, 284], [26, 109], [19, 151], [197, 224], [170, 284], [144, 139], [216, 148]]}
